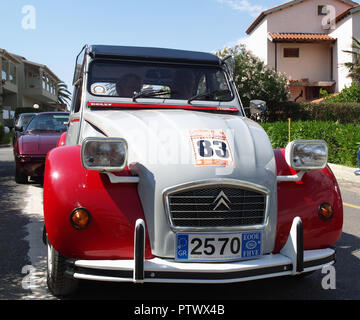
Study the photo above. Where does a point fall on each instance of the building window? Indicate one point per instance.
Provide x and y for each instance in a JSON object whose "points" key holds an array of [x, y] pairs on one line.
{"points": [[5, 70], [322, 10], [291, 52], [12, 74]]}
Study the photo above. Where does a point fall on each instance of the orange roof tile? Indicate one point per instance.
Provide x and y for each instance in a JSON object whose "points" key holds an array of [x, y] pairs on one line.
{"points": [[347, 12], [300, 37]]}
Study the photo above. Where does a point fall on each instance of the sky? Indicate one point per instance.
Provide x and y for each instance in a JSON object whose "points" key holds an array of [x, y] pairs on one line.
{"points": [[53, 32]]}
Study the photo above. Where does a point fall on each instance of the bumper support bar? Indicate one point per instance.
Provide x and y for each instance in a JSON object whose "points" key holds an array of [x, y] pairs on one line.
{"points": [[294, 246], [291, 260], [139, 251]]}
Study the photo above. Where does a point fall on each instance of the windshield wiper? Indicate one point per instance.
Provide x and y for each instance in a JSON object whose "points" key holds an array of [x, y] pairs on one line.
{"points": [[151, 93], [208, 94]]}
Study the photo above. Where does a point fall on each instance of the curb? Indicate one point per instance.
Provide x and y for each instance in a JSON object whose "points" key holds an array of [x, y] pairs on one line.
{"points": [[345, 174], [5, 145]]}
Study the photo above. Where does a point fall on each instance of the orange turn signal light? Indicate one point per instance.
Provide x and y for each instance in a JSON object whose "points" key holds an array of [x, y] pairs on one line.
{"points": [[326, 211], [80, 218]]}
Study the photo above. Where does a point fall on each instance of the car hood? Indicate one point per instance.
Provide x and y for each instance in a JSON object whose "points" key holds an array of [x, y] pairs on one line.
{"points": [[37, 142], [162, 152]]}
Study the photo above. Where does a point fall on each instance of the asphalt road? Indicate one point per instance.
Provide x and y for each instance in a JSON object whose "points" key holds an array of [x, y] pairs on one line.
{"points": [[23, 258]]}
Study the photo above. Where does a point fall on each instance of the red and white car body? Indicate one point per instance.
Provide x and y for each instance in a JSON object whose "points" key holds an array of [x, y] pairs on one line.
{"points": [[165, 185]]}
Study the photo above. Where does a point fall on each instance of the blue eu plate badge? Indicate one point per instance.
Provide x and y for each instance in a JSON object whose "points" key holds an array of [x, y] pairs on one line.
{"points": [[218, 246], [182, 247]]}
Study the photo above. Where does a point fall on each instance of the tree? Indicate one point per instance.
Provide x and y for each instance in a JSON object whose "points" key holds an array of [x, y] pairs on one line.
{"points": [[351, 93], [255, 80], [354, 66], [64, 95]]}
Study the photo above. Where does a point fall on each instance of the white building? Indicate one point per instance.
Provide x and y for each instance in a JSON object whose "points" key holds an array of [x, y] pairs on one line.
{"points": [[306, 39]]}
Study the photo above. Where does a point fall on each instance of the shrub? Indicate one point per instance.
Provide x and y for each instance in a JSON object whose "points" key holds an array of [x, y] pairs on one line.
{"points": [[343, 139], [254, 79], [326, 111], [348, 94]]}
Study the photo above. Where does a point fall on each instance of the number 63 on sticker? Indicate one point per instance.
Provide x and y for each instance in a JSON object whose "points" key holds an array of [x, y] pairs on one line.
{"points": [[211, 148]]}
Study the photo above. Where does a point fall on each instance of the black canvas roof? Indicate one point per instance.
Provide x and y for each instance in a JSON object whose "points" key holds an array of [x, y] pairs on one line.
{"points": [[148, 53]]}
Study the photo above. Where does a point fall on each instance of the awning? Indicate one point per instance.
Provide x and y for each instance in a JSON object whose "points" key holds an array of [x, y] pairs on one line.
{"points": [[300, 37]]}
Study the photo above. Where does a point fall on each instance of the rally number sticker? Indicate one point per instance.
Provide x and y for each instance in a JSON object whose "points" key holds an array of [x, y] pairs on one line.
{"points": [[211, 148]]}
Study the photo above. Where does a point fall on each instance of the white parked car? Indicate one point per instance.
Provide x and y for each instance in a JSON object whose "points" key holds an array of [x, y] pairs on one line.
{"points": [[161, 177]]}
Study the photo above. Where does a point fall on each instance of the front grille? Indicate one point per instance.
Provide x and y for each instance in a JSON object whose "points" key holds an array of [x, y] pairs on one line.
{"points": [[216, 206]]}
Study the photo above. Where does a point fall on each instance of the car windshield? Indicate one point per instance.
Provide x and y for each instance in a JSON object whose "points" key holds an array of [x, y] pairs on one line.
{"points": [[49, 122], [157, 80], [24, 119]]}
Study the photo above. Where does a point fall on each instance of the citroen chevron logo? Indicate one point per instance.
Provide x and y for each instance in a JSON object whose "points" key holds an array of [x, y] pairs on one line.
{"points": [[221, 199]]}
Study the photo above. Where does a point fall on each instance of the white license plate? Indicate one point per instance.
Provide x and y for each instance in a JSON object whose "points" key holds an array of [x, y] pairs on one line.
{"points": [[218, 246]]}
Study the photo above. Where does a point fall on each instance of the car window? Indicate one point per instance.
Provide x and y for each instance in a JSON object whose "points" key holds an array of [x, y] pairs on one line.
{"points": [[76, 104], [24, 120], [49, 122], [124, 79]]}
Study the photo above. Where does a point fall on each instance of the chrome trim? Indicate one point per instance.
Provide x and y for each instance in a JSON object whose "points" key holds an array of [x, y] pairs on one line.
{"points": [[216, 182], [294, 178], [122, 179], [163, 270]]}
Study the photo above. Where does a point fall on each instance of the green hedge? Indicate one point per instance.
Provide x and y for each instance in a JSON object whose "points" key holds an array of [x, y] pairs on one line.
{"points": [[325, 111], [343, 139]]}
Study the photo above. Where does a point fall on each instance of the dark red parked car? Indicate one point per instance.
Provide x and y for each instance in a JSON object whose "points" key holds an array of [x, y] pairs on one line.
{"points": [[40, 136]]}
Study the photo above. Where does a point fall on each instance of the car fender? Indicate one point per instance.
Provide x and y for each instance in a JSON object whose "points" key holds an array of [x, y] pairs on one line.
{"points": [[303, 199], [114, 209], [62, 139]]}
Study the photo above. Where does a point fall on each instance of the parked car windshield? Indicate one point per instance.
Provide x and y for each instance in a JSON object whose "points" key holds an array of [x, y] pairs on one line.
{"points": [[23, 120], [151, 80], [49, 122]]}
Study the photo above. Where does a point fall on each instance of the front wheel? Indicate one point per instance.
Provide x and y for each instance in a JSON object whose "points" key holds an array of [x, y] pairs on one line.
{"points": [[19, 177], [58, 283]]}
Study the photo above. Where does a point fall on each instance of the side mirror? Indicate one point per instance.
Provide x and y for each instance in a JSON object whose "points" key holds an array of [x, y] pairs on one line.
{"points": [[257, 106], [18, 128]]}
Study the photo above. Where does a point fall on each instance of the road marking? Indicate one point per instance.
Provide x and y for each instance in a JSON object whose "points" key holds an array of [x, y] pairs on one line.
{"points": [[351, 205]]}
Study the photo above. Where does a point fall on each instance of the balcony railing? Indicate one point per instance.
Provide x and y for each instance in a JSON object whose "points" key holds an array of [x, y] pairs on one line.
{"points": [[40, 84]]}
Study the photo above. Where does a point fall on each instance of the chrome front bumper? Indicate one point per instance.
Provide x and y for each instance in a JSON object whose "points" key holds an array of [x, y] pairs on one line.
{"points": [[291, 260]]}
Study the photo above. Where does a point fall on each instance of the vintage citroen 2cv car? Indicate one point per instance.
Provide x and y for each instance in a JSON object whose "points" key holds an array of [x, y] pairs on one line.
{"points": [[161, 177]]}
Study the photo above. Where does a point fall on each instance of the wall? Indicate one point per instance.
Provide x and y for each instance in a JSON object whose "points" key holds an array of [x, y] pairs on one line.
{"points": [[313, 62], [29, 101], [302, 17], [257, 41], [343, 34]]}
